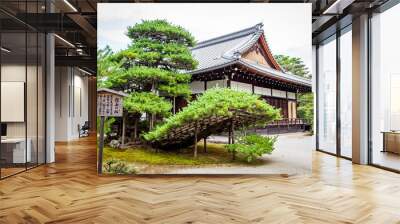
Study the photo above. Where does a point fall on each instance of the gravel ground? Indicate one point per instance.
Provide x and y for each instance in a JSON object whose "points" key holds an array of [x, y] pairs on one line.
{"points": [[292, 155]]}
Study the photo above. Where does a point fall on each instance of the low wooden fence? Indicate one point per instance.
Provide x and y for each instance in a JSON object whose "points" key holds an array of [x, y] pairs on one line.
{"points": [[286, 125]]}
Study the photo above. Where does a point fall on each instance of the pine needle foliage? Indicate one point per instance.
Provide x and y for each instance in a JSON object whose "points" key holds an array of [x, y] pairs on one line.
{"points": [[161, 30], [139, 77], [159, 44], [216, 102], [294, 65], [152, 68], [147, 102]]}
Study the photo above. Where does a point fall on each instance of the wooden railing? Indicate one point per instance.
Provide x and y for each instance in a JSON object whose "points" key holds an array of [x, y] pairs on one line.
{"points": [[288, 121], [287, 125]]}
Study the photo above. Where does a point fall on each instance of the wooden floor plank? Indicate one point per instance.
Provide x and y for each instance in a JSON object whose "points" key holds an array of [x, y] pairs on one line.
{"points": [[69, 191]]}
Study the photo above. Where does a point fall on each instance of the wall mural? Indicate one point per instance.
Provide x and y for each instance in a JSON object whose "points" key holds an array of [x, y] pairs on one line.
{"points": [[197, 93]]}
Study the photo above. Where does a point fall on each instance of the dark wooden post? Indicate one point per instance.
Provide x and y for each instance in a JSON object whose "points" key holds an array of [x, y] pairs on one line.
{"points": [[123, 129], [101, 145], [195, 140], [288, 124], [174, 102], [135, 130], [205, 144], [229, 135], [233, 138]]}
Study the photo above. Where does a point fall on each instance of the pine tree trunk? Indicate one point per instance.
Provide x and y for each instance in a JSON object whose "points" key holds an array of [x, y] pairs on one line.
{"points": [[136, 129], [153, 88], [152, 119], [174, 105]]}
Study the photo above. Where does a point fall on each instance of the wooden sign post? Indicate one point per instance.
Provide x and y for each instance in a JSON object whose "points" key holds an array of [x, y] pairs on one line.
{"points": [[109, 104]]}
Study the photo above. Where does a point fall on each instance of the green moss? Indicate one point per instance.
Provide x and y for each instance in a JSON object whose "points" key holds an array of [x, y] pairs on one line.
{"points": [[216, 154]]}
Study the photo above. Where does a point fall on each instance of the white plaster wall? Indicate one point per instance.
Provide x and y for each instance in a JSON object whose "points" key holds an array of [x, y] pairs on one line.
{"points": [[79, 115], [197, 86], [262, 91], [33, 126], [62, 81], [71, 87], [291, 95], [243, 87], [278, 93], [216, 83], [12, 73]]}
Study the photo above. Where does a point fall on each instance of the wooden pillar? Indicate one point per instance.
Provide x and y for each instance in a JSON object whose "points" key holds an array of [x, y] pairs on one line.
{"points": [[101, 145], [205, 144], [195, 141], [136, 129], [123, 129], [232, 138], [229, 135]]}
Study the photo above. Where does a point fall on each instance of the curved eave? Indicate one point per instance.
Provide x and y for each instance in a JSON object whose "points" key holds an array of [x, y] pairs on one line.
{"points": [[260, 71], [274, 74]]}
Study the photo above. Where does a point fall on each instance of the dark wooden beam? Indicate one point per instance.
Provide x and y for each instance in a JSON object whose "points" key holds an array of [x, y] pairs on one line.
{"points": [[205, 144], [195, 140], [233, 138]]}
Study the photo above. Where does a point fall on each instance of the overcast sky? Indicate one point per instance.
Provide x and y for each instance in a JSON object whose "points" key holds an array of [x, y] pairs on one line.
{"points": [[287, 27]]}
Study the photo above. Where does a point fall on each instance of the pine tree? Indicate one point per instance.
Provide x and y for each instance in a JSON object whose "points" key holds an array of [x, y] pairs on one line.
{"points": [[297, 67], [153, 65], [293, 65]]}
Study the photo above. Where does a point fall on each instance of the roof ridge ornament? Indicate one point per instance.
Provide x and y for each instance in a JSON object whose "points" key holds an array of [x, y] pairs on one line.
{"points": [[236, 54], [259, 26]]}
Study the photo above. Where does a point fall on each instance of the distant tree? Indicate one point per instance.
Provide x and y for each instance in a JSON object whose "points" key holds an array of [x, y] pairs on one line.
{"points": [[293, 65], [306, 107], [105, 66], [296, 66]]}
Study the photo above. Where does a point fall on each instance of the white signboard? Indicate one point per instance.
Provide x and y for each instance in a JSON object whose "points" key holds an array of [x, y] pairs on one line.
{"points": [[109, 105]]}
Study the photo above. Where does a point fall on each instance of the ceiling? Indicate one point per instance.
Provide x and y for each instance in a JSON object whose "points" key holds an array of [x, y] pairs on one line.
{"points": [[75, 22]]}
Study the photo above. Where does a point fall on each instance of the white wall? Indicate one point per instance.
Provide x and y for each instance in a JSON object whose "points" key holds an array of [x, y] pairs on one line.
{"points": [[71, 102], [33, 126], [240, 86], [12, 73], [217, 83], [262, 91], [278, 93], [291, 95], [197, 86]]}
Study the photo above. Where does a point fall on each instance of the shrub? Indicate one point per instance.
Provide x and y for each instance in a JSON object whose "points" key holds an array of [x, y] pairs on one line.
{"points": [[305, 109], [117, 167], [252, 146], [216, 102]]}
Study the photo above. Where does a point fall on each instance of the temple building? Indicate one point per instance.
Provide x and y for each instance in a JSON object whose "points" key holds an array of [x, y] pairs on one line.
{"points": [[243, 61]]}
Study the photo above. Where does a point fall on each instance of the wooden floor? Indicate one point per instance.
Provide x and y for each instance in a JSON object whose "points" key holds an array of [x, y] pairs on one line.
{"points": [[69, 191]]}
